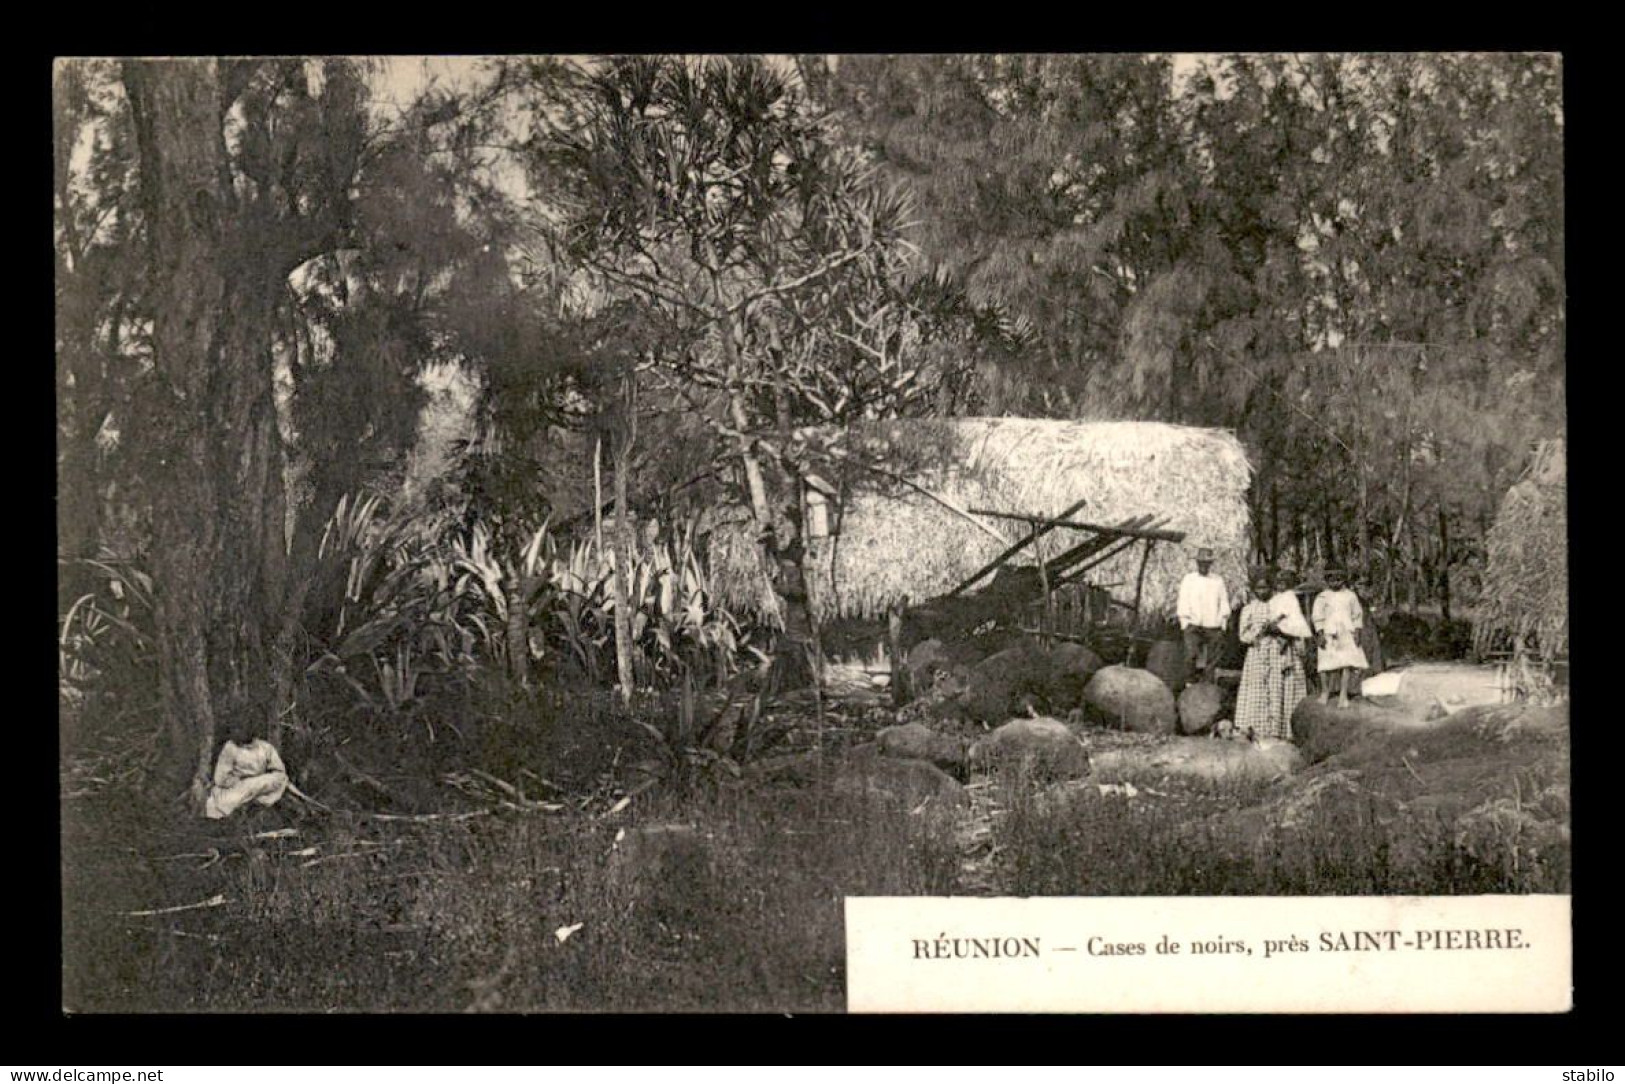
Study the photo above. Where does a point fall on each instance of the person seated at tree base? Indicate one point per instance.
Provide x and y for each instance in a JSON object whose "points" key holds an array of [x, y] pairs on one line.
{"points": [[249, 771]]}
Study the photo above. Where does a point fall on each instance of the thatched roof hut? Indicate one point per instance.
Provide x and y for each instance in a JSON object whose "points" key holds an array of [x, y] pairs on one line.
{"points": [[1526, 582], [892, 541]]}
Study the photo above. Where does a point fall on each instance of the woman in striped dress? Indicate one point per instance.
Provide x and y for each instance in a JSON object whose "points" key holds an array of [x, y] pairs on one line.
{"points": [[1272, 681]]}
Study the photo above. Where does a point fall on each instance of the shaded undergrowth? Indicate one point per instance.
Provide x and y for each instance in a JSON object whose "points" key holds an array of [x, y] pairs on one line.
{"points": [[738, 908]]}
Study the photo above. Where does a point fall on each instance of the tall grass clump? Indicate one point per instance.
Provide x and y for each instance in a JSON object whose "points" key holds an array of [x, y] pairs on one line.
{"points": [[1095, 844], [1526, 581]]}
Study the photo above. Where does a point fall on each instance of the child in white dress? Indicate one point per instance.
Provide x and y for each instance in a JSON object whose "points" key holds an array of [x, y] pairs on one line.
{"points": [[249, 770], [1338, 618]]}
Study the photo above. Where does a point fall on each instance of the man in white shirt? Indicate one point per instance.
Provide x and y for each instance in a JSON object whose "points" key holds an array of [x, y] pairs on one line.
{"points": [[1204, 610]]}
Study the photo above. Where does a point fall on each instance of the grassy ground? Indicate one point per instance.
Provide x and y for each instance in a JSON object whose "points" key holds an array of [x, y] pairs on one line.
{"points": [[744, 912], [580, 906], [1112, 846]]}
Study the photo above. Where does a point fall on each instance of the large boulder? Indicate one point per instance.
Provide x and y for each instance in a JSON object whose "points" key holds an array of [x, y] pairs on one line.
{"points": [[1414, 698], [1204, 760], [1434, 688], [914, 741], [1166, 659], [907, 785], [1070, 668], [1046, 747], [1008, 683], [1133, 699], [1323, 730], [1481, 778], [1199, 706]]}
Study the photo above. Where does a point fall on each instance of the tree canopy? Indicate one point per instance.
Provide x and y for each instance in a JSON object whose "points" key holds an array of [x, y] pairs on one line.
{"points": [[1355, 261]]}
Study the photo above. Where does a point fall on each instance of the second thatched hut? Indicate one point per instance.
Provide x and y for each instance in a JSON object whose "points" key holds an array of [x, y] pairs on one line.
{"points": [[1526, 583], [902, 527]]}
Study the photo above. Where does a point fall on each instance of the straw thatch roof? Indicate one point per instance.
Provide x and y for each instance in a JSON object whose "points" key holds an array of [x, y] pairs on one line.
{"points": [[1526, 582], [892, 541]]}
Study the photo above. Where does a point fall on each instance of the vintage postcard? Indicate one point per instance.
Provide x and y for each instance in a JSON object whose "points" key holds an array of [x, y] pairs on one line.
{"points": [[798, 533]]}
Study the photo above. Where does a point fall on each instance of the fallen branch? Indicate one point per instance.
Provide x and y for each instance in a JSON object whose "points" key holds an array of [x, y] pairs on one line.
{"points": [[178, 932], [297, 793], [213, 901], [429, 816], [212, 852], [507, 788], [548, 783], [1408, 768], [337, 857], [360, 776], [517, 799]]}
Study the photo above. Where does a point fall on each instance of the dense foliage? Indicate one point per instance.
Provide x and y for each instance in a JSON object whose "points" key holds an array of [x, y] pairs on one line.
{"points": [[653, 271], [1354, 261]]}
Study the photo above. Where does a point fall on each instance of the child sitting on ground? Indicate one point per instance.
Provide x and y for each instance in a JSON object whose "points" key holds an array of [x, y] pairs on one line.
{"points": [[249, 770]]}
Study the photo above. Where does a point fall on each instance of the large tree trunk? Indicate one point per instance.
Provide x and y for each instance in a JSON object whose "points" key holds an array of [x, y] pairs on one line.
{"points": [[81, 397], [210, 295], [80, 494], [80, 414]]}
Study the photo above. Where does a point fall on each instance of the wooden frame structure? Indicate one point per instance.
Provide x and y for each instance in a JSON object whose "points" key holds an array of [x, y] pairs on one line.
{"points": [[1105, 542]]}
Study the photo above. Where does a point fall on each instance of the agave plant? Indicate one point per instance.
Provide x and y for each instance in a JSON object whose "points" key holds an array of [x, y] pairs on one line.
{"points": [[695, 746], [582, 617], [689, 631], [417, 597], [504, 589], [403, 610]]}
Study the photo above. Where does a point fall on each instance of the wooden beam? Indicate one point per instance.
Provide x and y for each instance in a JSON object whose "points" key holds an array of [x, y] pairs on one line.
{"points": [[1032, 537], [1093, 545], [1098, 528], [1077, 573], [1139, 580], [950, 505]]}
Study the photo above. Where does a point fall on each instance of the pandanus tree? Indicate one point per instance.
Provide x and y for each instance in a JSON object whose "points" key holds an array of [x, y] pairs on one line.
{"points": [[774, 261]]}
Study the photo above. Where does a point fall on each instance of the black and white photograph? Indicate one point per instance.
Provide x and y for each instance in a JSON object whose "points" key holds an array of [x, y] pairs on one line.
{"points": [[547, 533]]}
